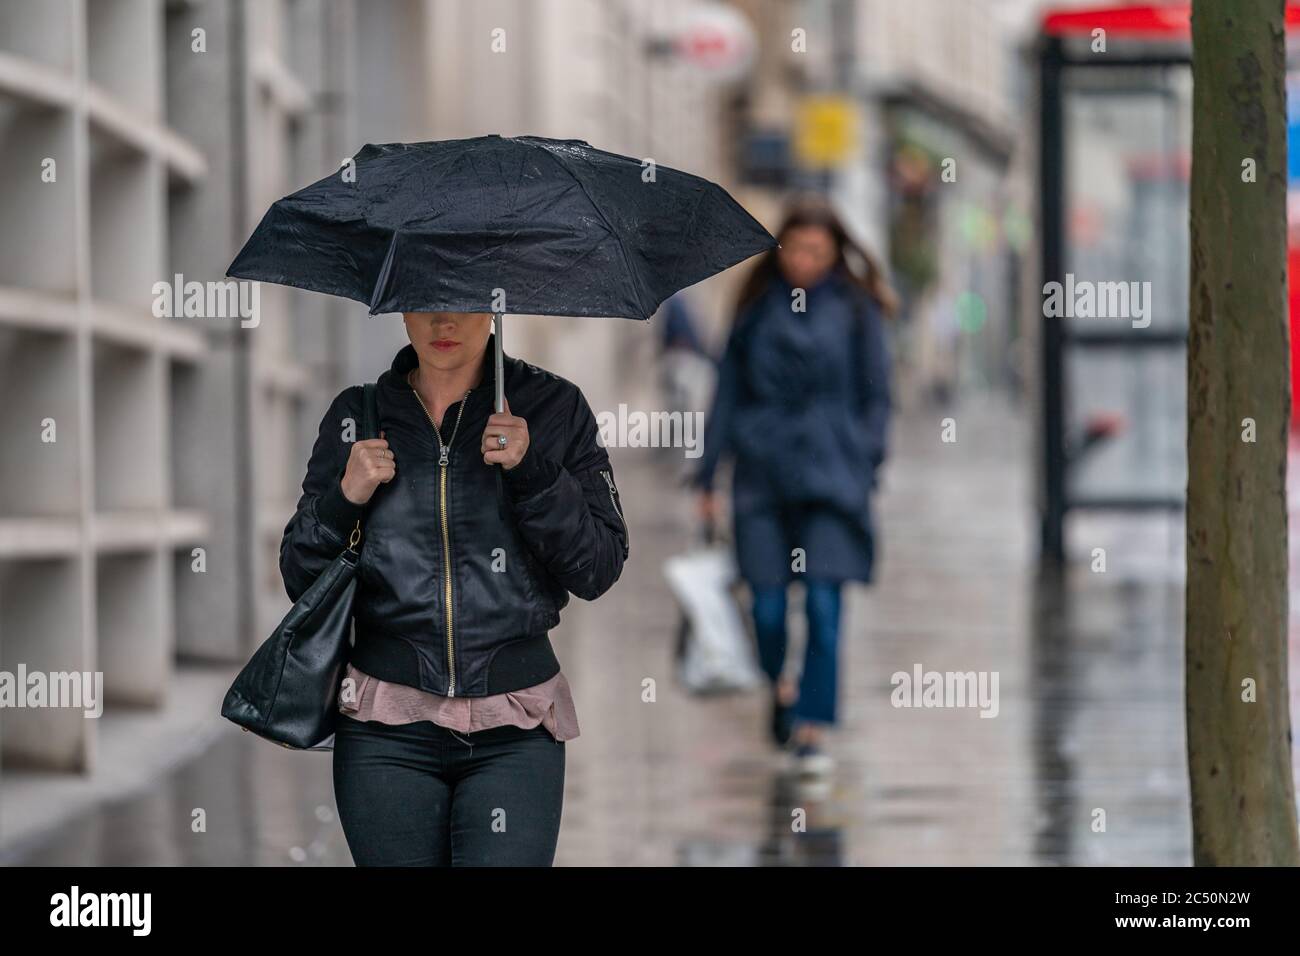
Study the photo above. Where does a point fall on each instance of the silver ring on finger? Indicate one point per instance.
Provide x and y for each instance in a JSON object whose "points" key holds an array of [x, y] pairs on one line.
{"points": [[501, 440]]}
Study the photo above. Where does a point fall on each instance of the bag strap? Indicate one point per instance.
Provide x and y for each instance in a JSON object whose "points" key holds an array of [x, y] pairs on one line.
{"points": [[369, 412], [369, 429]]}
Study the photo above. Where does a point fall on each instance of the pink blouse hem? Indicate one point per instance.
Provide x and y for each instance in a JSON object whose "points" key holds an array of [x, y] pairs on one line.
{"points": [[549, 703]]}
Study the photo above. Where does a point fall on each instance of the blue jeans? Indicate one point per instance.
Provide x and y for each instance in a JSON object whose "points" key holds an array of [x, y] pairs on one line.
{"points": [[818, 684], [419, 794]]}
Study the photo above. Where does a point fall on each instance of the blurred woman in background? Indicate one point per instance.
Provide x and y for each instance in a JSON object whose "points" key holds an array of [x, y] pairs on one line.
{"points": [[802, 405]]}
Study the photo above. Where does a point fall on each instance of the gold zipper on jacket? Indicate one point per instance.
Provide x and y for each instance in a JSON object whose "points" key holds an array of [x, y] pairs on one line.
{"points": [[443, 453]]}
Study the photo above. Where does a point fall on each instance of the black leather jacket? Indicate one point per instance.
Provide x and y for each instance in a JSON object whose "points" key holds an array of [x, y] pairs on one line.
{"points": [[457, 585]]}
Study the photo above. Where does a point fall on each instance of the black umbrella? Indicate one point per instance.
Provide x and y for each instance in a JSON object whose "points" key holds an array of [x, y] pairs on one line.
{"points": [[524, 224]]}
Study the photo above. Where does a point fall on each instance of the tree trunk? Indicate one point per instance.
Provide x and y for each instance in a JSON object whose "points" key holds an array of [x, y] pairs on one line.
{"points": [[1239, 752]]}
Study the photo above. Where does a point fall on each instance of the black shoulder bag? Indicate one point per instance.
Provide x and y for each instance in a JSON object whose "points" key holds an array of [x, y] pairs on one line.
{"points": [[288, 691]]}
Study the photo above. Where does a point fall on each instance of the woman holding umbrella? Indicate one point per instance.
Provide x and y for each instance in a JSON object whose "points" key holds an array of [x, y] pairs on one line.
{"points": [[802, 403], [449, 746]]}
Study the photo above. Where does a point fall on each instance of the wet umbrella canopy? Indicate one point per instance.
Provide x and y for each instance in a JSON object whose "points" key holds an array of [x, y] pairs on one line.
{"points": [[524, 225]]}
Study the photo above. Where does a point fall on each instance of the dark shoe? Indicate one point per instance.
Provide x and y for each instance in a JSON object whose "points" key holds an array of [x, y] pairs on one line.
{"points": [[782, 720]]}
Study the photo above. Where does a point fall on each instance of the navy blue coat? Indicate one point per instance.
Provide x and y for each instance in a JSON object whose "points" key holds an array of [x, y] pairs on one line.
{"points": [[802, 403]]}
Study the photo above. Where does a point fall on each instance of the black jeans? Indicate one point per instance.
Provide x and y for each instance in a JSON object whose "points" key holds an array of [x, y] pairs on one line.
{"points": [[420, 794]]}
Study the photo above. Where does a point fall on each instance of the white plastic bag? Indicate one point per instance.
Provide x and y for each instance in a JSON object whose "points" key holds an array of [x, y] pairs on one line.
{"points": [[716, 652]]}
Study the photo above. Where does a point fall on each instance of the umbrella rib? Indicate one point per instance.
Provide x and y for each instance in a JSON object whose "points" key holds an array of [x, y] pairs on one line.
{"points": [[636, 285]]}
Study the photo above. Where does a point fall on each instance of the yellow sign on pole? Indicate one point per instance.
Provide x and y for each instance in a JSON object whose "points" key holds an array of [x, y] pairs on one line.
{"points": [[826, 131]]}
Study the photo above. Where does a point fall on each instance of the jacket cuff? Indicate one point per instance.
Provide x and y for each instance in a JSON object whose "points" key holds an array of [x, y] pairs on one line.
{"points": [[535, 472], [337, 513]]}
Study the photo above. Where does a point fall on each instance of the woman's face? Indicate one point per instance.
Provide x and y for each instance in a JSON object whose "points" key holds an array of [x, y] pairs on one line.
{"points": [[448, 340], [807, 253]]}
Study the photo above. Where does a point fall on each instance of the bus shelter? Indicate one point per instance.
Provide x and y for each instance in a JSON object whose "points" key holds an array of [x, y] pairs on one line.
{"points": [[1114, 166]]}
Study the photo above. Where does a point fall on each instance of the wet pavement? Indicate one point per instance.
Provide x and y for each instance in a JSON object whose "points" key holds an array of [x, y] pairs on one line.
{"points": [[1088, 727]]}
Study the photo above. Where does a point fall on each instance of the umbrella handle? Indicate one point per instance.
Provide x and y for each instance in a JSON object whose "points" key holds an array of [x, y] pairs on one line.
{"points": [[500, 400], [500, 377]]}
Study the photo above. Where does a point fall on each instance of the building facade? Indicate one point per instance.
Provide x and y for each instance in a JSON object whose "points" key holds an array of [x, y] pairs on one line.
{"points": [[151, 459]]}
